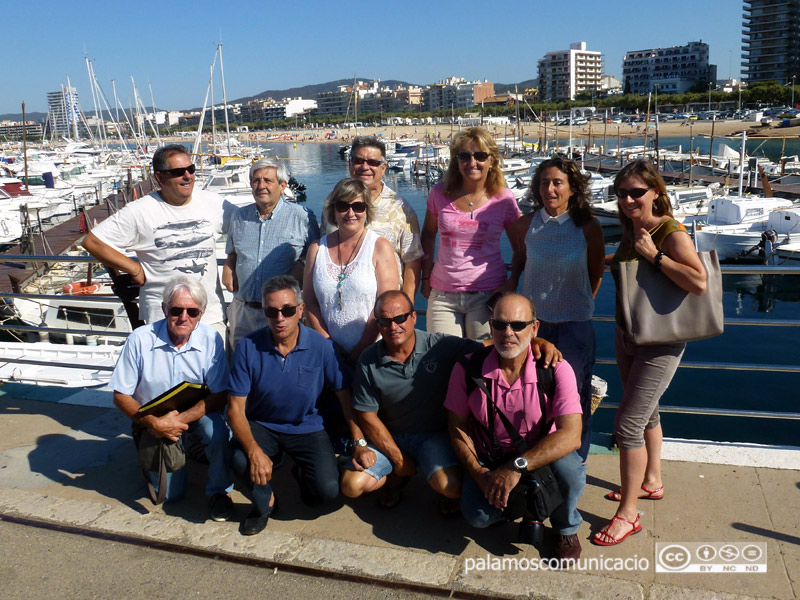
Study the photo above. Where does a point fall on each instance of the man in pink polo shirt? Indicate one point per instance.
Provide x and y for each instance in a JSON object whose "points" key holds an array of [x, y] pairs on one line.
{"points": [[509, 373]]}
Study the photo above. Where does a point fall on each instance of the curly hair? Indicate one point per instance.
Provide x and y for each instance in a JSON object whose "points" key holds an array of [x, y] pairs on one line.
{"points": [[649, 175], [578, 206], [495, 182]]}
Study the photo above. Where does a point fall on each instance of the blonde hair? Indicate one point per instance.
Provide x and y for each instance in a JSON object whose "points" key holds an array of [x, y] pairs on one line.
{"points": [[495, 182]]}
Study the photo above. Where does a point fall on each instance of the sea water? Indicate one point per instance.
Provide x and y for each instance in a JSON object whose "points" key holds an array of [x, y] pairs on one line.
{"points": [[319, 167]]}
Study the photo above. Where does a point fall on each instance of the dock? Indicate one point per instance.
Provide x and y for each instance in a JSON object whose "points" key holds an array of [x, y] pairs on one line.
{"points": [[60, 238], [67, 462]]}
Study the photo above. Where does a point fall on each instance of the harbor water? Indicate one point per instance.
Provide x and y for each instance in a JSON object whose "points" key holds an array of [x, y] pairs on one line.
{"points": [[319, 167]]}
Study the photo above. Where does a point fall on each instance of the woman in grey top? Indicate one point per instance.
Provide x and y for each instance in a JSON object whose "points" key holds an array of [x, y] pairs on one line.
{"points": [[564, 259]]}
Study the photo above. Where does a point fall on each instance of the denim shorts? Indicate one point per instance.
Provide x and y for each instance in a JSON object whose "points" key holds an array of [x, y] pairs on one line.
{"points": [[431, 452]]}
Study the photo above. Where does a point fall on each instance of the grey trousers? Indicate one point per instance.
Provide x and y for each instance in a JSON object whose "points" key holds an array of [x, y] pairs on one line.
{"points": [[646, 372]]}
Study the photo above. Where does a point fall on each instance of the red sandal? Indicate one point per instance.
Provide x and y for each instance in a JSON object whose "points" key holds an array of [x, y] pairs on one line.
{"points": [[636, 527], [656, 494]]}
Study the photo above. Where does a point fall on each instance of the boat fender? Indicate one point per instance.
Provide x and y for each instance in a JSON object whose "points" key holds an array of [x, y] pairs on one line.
{"points": [[80, 288]]}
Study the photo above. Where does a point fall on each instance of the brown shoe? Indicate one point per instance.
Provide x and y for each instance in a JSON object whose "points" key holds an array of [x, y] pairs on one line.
{"points": [[568, 546]]}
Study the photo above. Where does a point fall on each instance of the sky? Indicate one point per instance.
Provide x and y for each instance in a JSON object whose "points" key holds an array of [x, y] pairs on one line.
{"points": [[168, 45]]}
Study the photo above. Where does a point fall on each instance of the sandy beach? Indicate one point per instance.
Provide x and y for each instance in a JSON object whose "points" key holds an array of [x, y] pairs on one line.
{"points": [[596, 130]]}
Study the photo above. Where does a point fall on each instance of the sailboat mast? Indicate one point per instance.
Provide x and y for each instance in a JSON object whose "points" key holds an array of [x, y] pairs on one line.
{"points": [[213, 119], [224, 98]]}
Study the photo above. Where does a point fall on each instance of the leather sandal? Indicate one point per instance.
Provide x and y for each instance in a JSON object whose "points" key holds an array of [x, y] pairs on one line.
{"points": [[636, 527], [656, 494]]}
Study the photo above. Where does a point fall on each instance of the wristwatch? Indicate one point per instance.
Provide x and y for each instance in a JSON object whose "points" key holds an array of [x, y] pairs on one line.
{"points": [[360, 442], [521, 463]]}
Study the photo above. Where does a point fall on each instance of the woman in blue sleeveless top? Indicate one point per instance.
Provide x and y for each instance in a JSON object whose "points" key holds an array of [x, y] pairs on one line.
{"points": [[564, 261]]}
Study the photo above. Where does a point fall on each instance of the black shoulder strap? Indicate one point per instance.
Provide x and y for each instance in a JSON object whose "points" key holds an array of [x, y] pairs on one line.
{"points": [[546, 384]]}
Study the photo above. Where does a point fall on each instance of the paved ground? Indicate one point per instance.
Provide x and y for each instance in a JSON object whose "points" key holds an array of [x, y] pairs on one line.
{"points": [[68, 462]]}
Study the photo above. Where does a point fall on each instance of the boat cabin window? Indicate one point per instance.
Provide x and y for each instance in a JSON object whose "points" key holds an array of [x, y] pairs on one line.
{"points": [[98, 317]]}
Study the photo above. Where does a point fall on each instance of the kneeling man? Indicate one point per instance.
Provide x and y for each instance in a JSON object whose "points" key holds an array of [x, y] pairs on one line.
{"points": [[510, 376], [277, 374], [161, 355]]}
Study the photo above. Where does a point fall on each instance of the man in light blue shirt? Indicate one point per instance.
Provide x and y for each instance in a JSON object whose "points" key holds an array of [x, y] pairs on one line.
{"points": [[161, 355], [265, 239]]}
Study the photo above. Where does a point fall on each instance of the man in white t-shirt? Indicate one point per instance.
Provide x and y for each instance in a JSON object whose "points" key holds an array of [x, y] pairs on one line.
{"points": [[172, 231]]}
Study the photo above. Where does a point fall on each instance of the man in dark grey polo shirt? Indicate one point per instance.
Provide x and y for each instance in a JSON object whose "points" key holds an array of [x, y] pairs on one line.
{"points": [[399, 388]]}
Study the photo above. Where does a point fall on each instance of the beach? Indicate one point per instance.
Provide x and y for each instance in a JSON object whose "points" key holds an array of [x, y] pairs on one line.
{"points": [[531, 131]]}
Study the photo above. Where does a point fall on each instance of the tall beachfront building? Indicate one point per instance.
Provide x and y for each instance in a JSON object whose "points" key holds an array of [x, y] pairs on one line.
{"points": [[64, 111], [565, 73], [771, 40], [669, 70]]}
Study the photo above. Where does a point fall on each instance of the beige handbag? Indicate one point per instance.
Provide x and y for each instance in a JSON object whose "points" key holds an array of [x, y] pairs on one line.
{"points": [[656, 311]]}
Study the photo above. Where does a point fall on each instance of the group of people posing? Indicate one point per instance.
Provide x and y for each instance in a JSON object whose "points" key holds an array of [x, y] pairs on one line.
{"points": [[464, 403]]}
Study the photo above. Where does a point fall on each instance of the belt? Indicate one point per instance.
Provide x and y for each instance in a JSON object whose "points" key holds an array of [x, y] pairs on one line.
{"points": [[256, 305]]}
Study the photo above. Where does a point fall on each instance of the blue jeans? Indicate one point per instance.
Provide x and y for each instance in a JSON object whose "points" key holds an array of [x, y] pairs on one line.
{"points": [[576, 341], [431, 451], [570, 472], [311, 452], [215, 436]]}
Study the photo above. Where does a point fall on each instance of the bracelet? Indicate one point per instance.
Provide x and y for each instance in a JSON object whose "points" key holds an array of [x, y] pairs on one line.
{"points": [[657, 261], [138, 272]]}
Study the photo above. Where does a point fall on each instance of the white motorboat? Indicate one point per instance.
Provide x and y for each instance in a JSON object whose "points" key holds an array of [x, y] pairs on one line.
{"points": [[738, 226], [44, 364]]}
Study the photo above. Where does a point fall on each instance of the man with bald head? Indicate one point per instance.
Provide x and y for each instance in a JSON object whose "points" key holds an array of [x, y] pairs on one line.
{"points": [[398, 391], [492, 461]]}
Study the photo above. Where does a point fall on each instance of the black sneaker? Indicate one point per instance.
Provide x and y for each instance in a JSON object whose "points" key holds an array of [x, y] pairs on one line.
{"points": [[221, 507]]}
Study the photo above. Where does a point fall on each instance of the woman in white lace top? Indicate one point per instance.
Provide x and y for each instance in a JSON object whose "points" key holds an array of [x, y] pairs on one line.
{"points": [[346, 270]]}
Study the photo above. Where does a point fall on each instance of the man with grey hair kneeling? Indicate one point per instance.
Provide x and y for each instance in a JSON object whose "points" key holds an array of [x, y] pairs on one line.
{"points": [[161, 355]]}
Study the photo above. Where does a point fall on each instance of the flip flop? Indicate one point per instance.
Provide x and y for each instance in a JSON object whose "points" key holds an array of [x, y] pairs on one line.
{"points": [[636, 527], [656, 494], [391, 494]]}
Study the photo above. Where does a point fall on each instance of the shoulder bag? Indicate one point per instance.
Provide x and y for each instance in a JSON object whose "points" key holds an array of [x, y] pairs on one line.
{"points": [[656, 311]]}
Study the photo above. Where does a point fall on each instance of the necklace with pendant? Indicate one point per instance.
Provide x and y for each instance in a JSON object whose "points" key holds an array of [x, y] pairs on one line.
{"points": [[342, 267]]}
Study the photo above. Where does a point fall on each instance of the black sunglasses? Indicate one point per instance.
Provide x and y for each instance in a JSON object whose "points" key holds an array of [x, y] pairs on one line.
{"points": [[342, 206], [517, 326], [634, 193], [286, 311], [479, 156], [372, 162], [178, 171], [387, 321], [177, 311]]}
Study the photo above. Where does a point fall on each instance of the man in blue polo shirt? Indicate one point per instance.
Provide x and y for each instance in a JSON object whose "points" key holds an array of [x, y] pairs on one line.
{"points": [[161, 355], [265, 239], [277, 374]]}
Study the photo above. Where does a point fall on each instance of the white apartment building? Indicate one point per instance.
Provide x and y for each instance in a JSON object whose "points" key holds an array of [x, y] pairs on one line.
{"points": [[565, 73]]}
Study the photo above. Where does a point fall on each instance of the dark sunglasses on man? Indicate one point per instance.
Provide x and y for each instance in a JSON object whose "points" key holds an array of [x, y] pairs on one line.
{"points": [[177, 171], [372, 162], [287, 311], [177, 311], [516, 326], [387, 321]]}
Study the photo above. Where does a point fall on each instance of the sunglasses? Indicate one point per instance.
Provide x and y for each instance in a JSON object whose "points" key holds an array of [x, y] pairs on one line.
{"points": [[479, 156], [387, 321], [517, 326], [286, 311], [634, 193], [178, 171], [342, 206], [372, 162], [177, 311]]}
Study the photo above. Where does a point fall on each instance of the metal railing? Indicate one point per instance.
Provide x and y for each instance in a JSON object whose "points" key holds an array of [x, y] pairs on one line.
{"points": [[721, 366]]}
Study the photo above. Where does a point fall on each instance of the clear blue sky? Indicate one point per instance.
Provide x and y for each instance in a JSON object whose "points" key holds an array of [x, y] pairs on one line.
{"points": [[170, 44]]}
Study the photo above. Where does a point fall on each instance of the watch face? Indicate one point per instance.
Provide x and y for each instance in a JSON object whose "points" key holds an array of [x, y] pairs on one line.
{"points": [[362, 442], [521, 463]]}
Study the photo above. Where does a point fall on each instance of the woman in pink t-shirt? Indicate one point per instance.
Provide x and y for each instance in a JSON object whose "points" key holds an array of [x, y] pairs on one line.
{"points": [[469, 209]]}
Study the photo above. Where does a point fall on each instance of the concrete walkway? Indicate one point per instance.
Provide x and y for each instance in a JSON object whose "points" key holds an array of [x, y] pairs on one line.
{"points": [[66, 459]]}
